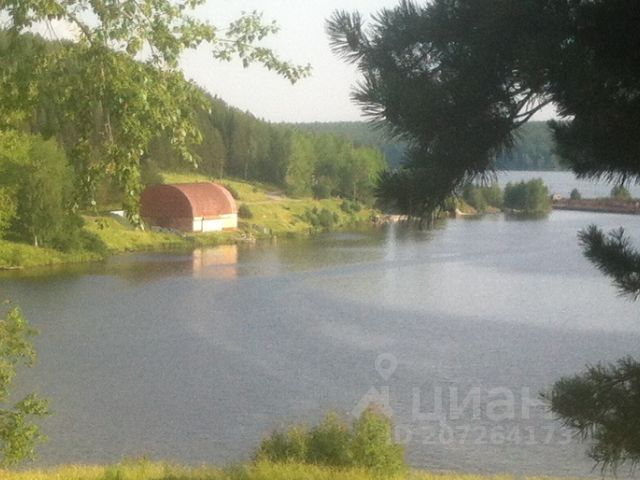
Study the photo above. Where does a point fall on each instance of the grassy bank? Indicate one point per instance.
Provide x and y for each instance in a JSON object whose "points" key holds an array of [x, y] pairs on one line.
{"points": [[19, 255], [261, 471], [271, 213]]}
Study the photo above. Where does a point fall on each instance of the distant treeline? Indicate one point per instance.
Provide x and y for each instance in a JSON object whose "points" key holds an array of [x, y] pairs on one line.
{"points": [[237, 144], [533, 148], [234, 143]]}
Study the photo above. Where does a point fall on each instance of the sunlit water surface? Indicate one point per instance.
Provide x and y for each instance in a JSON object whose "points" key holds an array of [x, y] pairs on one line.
{"points": [[196, 357]]}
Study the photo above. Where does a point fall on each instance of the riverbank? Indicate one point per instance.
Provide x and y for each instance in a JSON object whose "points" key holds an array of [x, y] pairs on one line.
{"points": [[261, 471], [599, 205], [270, 214]]}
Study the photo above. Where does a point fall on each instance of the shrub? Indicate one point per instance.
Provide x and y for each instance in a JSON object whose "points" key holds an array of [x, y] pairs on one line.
{"points": [[367, 443], [328, 443], [575, 194], [324, 218], [321, 190], [234, 193], [482, 197], [244, 211], [372, 446], [473, 196], [493, 195], [619, 192], [531, 197], [289, 446], [350, 206]]}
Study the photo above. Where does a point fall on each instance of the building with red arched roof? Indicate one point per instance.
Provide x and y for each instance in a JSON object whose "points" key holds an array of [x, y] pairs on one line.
{"points": [[189, 207]]}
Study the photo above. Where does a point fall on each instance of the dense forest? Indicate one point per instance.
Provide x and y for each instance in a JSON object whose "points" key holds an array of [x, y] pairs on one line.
{"points": [[233, 143], [532, 148]]}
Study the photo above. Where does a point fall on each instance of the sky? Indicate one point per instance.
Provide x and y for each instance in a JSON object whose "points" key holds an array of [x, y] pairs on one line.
{"points": [[323, 97]]}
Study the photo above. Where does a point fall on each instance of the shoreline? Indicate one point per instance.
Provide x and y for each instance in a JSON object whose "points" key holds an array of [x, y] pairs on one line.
{"points": [[144, 469], [599, 205]]}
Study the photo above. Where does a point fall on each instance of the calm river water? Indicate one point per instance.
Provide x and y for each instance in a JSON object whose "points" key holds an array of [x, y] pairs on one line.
{"points": [[195, 357]]}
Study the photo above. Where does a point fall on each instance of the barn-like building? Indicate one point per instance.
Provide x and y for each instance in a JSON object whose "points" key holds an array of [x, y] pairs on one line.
{"points": [[189, 207]]}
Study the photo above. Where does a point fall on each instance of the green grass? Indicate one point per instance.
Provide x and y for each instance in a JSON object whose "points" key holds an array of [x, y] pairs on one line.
{"points": [[20, 255], [248, 191], [144, 470], [274, 214]]}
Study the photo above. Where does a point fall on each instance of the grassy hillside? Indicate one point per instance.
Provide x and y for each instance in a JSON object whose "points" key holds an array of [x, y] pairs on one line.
{"points": [[272, 214], [261, 471]]}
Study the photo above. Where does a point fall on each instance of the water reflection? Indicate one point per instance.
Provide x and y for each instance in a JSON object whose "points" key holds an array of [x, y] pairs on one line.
{"points": [[196, 355], [219, 262]]}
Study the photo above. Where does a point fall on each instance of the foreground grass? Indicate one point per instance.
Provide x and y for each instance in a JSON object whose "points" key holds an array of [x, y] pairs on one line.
{"points": [[273, 214], [261, 471]]}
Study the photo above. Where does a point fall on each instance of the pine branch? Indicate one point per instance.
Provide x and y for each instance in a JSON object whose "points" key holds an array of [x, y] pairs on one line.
{"points": [[615, 256]]}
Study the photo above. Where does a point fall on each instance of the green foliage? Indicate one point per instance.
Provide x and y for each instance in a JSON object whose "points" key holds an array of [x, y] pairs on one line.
{"points": [[603, 403], [457, 80], [18, 435], [289, 446], [113, 104], [361, 134], [244, 211], [234, 193], [8, 208], [37, 173], [372, 446], [322, 189], [530, 197], [575, 194], [263, 470], [532, 148], [329, 443], [214, 138], [615, 256], [482, 197], [620, 192], [322, 219], [367, 444], [300, 168], [350, 206]]}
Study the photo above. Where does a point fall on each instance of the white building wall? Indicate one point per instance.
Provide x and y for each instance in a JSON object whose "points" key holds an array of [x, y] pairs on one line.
{"points": [[217, 224]]}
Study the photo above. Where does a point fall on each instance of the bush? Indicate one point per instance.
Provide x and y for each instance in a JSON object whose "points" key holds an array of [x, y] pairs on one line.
{"points": [[575, 194], [350, 206], [367, 443], [482, 197], [619, 192], [531, 197], [324, 218], [473, 196], [321, 190], [493, 195], [234, 193], [244, 211], [328, 443], [283, 447], [372, 446]]}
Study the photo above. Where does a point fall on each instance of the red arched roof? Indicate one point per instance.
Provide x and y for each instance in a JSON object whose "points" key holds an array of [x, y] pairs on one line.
{"points": [[182, 200]]}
